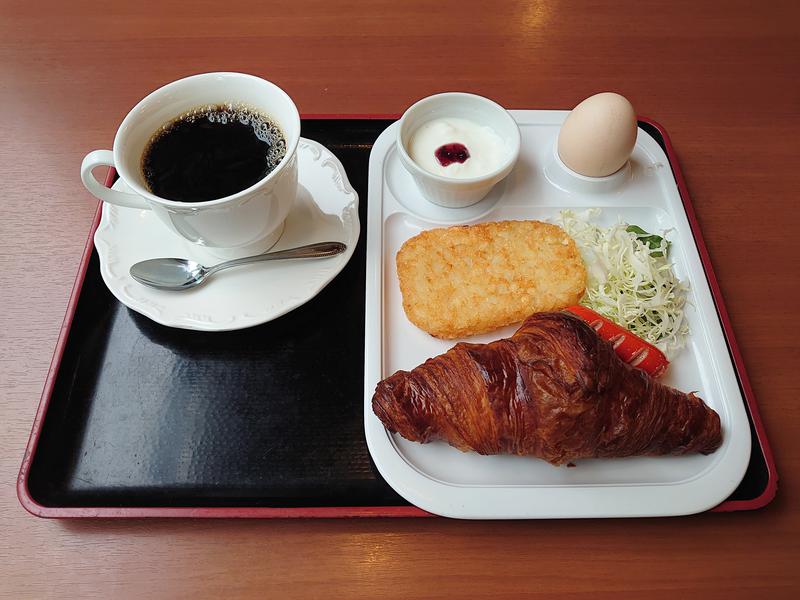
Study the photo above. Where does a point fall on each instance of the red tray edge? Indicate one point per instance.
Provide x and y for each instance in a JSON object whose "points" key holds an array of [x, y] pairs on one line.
{"points": [[40, 510]]}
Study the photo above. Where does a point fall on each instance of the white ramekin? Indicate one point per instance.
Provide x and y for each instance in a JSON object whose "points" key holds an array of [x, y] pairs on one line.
{"points": [[448, 191]]}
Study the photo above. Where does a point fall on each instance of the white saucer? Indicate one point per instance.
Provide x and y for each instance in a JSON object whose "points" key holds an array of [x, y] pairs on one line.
{"points": [[326, 210]]}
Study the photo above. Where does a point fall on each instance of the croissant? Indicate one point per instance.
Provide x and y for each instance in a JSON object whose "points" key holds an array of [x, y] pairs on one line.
{"points": [[554, 390]]}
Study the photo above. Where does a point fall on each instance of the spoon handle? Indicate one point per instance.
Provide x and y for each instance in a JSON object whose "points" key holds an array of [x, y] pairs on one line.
{"points": [[318, 250]]}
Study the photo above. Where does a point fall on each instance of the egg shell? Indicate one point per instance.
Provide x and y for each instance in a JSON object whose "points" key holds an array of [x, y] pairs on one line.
{"points": [[598, 136]]}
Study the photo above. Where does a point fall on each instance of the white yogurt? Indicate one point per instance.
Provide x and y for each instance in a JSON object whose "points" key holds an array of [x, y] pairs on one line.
{"points": [[487, 150]]}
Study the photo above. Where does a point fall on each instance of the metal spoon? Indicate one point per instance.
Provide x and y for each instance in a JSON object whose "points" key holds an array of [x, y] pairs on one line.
{"points": [[182, 274]]}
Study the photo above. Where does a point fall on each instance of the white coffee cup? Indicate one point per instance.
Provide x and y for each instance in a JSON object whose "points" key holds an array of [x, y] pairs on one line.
{"points": [[246, 222]]}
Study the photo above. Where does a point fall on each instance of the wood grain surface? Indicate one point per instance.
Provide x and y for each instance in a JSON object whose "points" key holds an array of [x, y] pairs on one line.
{"points": [[722, 77]]}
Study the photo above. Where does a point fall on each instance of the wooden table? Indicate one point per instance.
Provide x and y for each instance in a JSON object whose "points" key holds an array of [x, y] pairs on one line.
{"points": [[722, 79]]}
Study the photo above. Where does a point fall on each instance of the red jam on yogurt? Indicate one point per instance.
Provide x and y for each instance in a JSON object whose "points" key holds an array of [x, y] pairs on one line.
{"points": [[457, 148], [447, 154]]}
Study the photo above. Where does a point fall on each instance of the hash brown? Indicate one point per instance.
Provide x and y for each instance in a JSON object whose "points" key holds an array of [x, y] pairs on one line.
{"points": [[469, 279]]}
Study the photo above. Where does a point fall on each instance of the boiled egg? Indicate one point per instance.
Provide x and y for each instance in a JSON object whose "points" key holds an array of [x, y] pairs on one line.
{"points": [[598, 136]]}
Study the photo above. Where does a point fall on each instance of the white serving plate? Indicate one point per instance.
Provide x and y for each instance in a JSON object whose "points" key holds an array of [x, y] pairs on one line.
{"points": [[445, 481]]}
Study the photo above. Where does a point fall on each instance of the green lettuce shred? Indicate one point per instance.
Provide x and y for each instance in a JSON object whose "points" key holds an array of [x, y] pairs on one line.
{"points": [[630, 279]]}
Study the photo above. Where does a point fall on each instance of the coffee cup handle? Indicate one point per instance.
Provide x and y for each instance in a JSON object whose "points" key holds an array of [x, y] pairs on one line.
{"points": [[99, 158]]}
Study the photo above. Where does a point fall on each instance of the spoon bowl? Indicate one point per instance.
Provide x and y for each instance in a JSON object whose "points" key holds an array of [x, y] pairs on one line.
{"points": [[169, 273]]}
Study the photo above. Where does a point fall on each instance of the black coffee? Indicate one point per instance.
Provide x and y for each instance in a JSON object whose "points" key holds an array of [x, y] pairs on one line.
{"points": [[210, 153]]}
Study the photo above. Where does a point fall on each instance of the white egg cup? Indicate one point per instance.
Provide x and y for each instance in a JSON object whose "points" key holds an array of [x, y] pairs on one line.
{"points": [[561, 176], [448, 191]]}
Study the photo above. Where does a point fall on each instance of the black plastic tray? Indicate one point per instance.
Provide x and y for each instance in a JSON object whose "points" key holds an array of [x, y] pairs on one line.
{"points": [[141, 415]]}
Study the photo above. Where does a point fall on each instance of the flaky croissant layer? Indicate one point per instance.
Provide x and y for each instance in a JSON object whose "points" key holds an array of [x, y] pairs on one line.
{"points": [[553, 390]]}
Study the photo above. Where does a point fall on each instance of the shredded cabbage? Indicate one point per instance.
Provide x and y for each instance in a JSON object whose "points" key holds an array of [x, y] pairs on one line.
{"points": [[630, 279]]}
